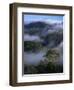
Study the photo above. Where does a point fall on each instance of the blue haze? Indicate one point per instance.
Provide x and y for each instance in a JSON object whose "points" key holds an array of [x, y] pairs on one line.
{"points": [[32, 18]]}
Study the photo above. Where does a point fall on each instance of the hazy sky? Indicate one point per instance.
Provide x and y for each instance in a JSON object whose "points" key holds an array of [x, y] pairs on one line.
{"points": [[32, 18]]}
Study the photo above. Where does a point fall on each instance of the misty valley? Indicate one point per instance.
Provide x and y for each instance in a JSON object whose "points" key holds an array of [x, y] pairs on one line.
{"points": [[43, 47]]}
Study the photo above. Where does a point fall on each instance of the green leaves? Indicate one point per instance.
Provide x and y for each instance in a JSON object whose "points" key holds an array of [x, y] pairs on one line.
{"points": [[32, 46], [50, 67], [52, 55]]}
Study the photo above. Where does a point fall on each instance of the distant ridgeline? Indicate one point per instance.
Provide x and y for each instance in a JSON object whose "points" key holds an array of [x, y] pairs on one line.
{"points": [[40, 34]]}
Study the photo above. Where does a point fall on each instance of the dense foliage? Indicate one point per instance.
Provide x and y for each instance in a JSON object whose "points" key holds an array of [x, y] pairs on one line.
{"points": [[43, 68], [32, 46]]}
